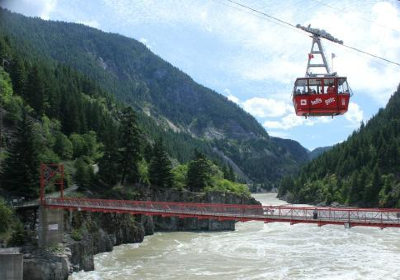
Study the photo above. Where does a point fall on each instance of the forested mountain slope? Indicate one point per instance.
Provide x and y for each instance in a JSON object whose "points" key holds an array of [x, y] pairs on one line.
{"points": [[135, 75], [364, 170], [318, 151], [50, 113], [176, 105]]}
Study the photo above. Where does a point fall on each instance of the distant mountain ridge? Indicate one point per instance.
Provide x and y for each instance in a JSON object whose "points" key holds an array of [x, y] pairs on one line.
{"points": [[318, 151], [156, 89]]}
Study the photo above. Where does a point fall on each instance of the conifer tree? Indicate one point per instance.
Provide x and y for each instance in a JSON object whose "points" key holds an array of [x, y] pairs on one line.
{"points": [[199, 173], [63, 146], [148, 152], [18, 76], [108, 164], [160, 167], [231, 174], [6, 216], [69, 114], [130, 146], [225, 171], [84, 173], [5, 50], [355, 188], [20, 170], [373, 188], [35, 91], [287, 184]]}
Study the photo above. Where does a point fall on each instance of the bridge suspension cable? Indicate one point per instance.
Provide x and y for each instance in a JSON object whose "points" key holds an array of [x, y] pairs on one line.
{"points": [[349, 217], [363, 18], [292, 27]]}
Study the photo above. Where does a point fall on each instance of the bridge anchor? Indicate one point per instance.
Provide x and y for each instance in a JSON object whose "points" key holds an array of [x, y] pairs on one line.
{"points": [[51, 221], [51, 227]]}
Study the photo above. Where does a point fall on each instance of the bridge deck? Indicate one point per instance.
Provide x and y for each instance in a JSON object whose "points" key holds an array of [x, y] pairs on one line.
{"points": [[325, 215]]}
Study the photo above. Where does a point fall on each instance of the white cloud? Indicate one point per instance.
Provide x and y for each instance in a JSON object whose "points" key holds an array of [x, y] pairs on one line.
{"points": [[287, 122], [144, 42], [260, 58], [262, 50], [231, 97], [279, 134], [224, 46], [91, 23], [354, 114], [366, 75], [266, 107], [147, 43], [291, 120], [41, 8]]}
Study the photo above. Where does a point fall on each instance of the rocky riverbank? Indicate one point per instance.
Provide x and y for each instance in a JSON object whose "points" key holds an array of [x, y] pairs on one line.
{"points": [[194, 224], [87, 234]]}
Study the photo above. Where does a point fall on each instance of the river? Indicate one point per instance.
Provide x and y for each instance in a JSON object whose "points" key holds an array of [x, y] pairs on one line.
{"points": [[256, 251]]}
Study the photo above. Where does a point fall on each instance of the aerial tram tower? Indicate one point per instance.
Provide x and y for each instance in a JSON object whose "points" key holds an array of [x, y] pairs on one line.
{"points": [[320, 92]]}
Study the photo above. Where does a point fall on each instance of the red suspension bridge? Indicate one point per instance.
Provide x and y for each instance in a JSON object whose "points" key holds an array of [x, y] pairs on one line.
{"points": [[349, 217]]}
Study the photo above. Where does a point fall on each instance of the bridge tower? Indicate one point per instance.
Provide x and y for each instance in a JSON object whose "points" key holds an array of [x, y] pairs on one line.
{"points": [[51, 221]]}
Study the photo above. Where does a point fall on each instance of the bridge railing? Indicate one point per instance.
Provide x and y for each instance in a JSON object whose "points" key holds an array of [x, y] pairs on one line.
{"points": [[292, 214], [365, 215]]}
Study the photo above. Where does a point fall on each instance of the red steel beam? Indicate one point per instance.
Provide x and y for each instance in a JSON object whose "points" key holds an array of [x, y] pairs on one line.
{"points": [[325, 215]]}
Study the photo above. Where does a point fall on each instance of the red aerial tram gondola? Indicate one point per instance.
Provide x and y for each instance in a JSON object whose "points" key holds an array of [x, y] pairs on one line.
{"points": [[322, 94]]}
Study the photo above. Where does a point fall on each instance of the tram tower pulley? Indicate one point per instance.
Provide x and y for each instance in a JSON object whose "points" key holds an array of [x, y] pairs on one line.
{"points": [[322, 93]]}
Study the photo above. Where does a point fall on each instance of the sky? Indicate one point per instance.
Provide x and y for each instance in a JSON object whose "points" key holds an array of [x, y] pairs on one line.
{"points": [[252, 59]]}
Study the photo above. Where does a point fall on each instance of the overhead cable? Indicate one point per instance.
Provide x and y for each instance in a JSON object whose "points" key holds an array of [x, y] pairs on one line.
{"points": [[293, 26], [344, 10]]}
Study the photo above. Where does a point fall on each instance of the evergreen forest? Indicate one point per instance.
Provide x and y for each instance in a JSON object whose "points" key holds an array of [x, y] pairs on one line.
{"points": [[53, 114], [362, 171], [166, 101]]}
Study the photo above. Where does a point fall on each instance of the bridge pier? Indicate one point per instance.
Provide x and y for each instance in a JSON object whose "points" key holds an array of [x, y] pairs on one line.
{"points": [[11, 264], [51, 227]]}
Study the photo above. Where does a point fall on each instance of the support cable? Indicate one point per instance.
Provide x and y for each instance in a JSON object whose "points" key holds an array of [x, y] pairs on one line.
{"points": [[365, 19], [289, 25]]}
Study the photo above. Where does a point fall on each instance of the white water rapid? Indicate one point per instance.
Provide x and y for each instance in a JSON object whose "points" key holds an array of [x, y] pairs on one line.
{"points": [[256, 251]]}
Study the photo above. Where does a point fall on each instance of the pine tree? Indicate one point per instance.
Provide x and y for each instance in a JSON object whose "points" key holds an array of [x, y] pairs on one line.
{"points": [[130, 146], [199, 173], [287, 184], [160, 167], [148, 152], [63, 146], [69, 114], [35, 91], [231, 174], [108, 164], [84, 173], [18, 76], [354, 188], [20, 173], [6, 216], [373, 188], [5, 50], [225, 171]]}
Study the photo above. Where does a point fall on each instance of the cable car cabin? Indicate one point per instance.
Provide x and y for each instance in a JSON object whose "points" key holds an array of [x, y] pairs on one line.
{"points": [[321, 96]]}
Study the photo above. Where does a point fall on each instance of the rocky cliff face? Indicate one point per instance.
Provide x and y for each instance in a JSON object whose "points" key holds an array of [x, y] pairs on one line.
{"points": [[101, 232], [87, 234], [194, 224], [50, 264], [93, 233]]}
